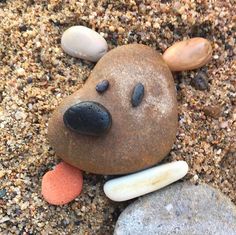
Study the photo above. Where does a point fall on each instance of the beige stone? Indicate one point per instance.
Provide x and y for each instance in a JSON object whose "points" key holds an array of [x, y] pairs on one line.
{"points": [[139, 136], [83, 43]]}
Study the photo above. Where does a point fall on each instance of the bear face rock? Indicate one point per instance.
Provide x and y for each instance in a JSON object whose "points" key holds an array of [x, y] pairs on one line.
{"points": [[139, 136]]}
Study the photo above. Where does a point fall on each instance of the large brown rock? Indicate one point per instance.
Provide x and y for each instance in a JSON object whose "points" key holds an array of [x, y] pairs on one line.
{"points": [[140, 136]]}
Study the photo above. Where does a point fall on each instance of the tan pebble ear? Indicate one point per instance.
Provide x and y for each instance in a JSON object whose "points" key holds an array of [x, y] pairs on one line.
{"points": [[189, 54]]}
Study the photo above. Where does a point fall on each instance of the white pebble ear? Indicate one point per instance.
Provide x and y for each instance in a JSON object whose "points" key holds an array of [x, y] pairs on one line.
{"points": [[84, 43], [188, 54]]}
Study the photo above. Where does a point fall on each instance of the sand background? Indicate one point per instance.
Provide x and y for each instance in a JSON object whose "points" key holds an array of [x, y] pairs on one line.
{"points": [[35, 75]]}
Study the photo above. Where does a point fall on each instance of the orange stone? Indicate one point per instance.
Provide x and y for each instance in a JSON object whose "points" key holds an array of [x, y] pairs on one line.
{"points": [[188, 54], [62, 185]]}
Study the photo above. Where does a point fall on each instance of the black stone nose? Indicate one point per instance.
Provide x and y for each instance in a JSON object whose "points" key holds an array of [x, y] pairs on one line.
{"points": [[88, 118]]}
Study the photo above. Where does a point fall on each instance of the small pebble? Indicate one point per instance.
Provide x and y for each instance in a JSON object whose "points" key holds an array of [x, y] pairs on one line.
{"points": [[4, 219], [137, 95], [24, 205], [20, 115], [146, 181], [77, 223], [84, 43], [224, 125], [88, 118], [29, 80], [102, 86], [62, 185], [189, 54], [2, 173], [212, 111], [195, 177], [22, 28], [200, 81], [20, 72], [3, 192]]}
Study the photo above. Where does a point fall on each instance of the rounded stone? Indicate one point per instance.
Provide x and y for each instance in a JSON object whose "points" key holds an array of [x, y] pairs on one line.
{"points": [[181, 208], [102, 86], [84, 43], [88, 118], [137, 95], [139, 137], [188, 54], [62, 185], [200, 81], [143, 182]]}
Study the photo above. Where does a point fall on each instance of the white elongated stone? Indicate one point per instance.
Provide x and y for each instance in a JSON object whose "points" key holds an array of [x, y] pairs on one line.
{"points": [[84, 43], [146, 181]]}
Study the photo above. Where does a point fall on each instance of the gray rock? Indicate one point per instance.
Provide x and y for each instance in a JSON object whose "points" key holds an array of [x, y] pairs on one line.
{"points": [[181, 208]]}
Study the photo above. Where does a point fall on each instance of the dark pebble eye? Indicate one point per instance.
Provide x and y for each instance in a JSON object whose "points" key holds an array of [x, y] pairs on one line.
{"points": [[137, 94], [102, 86]]}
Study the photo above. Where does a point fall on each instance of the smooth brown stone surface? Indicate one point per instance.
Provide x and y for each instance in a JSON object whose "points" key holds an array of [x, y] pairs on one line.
{"points": [[188, 54], [139, 137]]}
